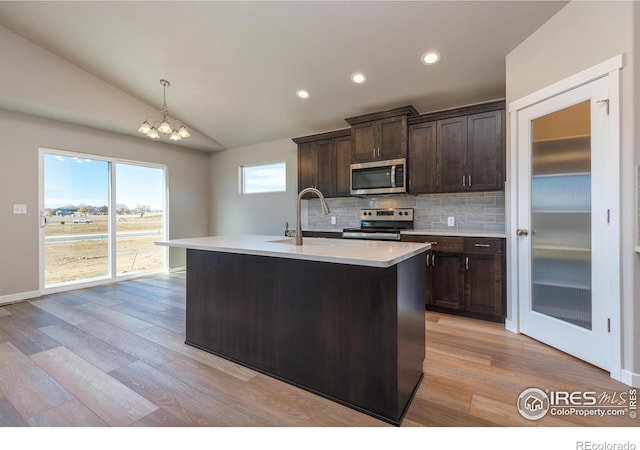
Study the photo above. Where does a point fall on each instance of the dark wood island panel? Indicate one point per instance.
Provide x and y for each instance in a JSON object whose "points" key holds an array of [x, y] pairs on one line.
{"points": [[353, 334]]}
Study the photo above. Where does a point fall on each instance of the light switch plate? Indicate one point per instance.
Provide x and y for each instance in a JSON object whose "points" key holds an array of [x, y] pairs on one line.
{"points": [[333, 220], [451, 221], [19, 209]]}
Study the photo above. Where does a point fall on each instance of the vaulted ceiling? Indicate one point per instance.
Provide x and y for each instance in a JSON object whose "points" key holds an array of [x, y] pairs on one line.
{"points": [[235, 66]]}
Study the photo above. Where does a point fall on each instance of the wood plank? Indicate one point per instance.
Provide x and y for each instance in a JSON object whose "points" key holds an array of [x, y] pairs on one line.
{"points": [[66, 298], [176, 343], [265, 400], [179, 398], [29, 389], [159, 418], [9, 415], [129, 343], [113, 317], [70, 414], [91, 296], [433, 415], [23, 335], [113, 402], [31, 315], [102, 355], [64, 312], [172, 318]]}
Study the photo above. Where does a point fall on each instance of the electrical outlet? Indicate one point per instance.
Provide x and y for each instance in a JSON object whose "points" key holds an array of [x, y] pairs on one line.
{"points": [[19, 209], [451, 221], [333, 220]]}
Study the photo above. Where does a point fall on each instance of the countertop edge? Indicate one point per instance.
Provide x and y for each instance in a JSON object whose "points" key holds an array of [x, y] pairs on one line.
{"points": [[335, 259]]}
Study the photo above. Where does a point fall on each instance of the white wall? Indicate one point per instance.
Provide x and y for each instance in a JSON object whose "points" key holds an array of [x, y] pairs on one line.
{"points": [[22, 135], [581, 35], [235, 213]]}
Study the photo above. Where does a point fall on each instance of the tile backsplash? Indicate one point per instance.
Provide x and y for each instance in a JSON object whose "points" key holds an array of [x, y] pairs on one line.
{"points": [[473, 211]]}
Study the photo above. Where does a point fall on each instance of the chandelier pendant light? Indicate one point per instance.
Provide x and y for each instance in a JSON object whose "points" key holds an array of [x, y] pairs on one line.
{"points": [[163, 125]]}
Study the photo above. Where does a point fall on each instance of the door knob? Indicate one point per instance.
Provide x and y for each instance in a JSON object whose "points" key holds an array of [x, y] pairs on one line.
{"points": [[522, 232]]}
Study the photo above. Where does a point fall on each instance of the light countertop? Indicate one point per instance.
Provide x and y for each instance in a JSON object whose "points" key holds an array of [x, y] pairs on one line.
{"points": [[487, 234], [416, 231], [340, 251]]}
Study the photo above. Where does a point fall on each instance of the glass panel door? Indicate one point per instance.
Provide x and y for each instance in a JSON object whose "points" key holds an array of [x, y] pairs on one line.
{"points": [[76, 219], [563, 229], [561, 214], [140, 218]]}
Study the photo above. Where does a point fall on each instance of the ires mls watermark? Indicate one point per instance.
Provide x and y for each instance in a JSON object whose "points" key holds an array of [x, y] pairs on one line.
{"points": [[534, 403]]}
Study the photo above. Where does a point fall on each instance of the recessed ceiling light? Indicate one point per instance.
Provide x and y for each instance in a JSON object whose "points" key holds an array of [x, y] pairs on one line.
{"points": [[430, 57], [302, 93], [358, 78]]}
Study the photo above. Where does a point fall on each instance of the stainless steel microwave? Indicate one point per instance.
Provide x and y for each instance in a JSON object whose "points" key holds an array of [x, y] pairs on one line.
{"points": [[379, 177]]}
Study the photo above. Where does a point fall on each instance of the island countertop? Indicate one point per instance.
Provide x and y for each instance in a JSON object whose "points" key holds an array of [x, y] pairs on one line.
{"points": [[340, 251]]}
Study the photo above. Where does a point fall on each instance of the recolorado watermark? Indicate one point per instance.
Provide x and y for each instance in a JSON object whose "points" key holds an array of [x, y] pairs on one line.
{"points": [[588, 445], [534, 404]]}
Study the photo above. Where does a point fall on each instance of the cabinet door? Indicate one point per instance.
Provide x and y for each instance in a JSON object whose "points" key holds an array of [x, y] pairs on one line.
{"points": [[483, 284], [307, 166], [392, 138], [485, 149], [448, 280], [343, 166], [326, 167], [364, 142], [422, 158], [452, 153]]}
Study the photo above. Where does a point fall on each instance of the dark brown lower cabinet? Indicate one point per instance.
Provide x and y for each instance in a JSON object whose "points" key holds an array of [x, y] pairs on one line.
{"points": [[465, 276]]}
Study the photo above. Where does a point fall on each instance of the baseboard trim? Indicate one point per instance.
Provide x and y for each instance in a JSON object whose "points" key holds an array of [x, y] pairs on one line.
{"points": [[13, 298], [178, 269], [630, 378]]}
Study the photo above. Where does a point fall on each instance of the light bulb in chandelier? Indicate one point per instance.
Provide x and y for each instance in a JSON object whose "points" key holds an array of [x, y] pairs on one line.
{"points": [[153, 133], [183, 133], [164, 126], [145, 127]]}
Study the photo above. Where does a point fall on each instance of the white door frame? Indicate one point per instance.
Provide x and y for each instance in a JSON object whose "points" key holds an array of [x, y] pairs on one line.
{"points": [[610, 69], [112, 222]]}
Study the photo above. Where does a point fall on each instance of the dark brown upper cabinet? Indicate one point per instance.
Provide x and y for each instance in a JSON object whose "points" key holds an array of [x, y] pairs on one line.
{"points": [[457, 150], [422, 158], [324, 163], [380, 136]]}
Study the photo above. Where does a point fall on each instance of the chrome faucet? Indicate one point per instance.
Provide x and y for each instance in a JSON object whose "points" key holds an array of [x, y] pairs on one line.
{"points": [[325, 210]]}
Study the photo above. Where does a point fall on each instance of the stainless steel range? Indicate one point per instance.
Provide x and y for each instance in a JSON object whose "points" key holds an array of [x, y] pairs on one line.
{"points": [[381, 224]]}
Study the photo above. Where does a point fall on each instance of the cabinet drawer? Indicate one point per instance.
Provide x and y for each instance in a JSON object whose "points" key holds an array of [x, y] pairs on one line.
{"points": [[438, 243], [483, 245]]}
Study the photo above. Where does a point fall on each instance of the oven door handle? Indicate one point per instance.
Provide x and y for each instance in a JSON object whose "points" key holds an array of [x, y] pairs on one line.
{"points": [[393, 176]]}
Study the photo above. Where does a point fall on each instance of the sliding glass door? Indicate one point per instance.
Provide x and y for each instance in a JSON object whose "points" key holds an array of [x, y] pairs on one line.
{"points": [[99, 218], [140, 217], [75, 219]]}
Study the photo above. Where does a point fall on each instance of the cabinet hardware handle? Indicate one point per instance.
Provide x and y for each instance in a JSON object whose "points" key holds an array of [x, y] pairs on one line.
{"points": [[428, 261], [463, 180], [483, 245], [466, 262], [433, 260], [469, 180]]}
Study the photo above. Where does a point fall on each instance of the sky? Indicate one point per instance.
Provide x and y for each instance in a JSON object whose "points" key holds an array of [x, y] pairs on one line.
{"points": [[73, 180]]}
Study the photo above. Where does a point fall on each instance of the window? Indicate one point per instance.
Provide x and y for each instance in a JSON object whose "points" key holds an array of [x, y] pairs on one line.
{"points": [[263, 178]]}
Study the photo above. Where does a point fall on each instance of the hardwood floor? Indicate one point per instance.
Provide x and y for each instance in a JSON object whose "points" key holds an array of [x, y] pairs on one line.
{"points": [[114, 356]]}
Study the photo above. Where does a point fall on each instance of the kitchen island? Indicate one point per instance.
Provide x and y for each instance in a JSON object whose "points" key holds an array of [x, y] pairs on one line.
{"points": [[343, 319]]}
